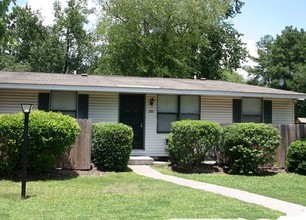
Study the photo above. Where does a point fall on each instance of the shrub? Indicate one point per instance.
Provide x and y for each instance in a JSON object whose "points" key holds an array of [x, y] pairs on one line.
{"points": [[296, 158], [112, 145], [248, 145], [50, 135], [190, 140]]}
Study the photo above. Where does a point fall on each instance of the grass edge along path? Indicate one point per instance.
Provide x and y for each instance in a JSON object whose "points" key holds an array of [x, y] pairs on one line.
{"points": [[288, 187], [290, 209], [119, 196]]}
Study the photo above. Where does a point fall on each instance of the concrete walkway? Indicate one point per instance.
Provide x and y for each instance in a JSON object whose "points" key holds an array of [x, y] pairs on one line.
{"points": [[290, 209]]}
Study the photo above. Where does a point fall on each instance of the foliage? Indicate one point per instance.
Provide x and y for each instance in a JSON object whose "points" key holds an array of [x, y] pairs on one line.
{"points": [[169, 38], [190, 140], [112, 145], [26, 34], [50, 134], [296, 157], [156, 38], [64, 46], [231, 76], [4, 7], [69, 29], [282, 59], [248, 145], [10, 63]]}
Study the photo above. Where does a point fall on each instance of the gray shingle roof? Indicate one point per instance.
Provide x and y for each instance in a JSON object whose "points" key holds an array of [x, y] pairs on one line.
{"points": [[49, 81]]}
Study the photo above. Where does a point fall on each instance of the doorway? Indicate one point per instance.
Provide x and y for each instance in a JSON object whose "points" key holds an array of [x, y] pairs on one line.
{"points": [[132, 113]]}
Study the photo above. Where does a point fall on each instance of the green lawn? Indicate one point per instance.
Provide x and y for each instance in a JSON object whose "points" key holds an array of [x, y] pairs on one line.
{"points": [[119, 196], [284, 186]]}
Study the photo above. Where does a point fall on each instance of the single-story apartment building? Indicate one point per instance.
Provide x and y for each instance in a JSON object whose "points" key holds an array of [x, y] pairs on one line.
{"points": [[148, 105]]}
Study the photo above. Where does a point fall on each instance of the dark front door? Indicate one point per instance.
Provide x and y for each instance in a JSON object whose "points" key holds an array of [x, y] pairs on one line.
{"points": [[132, 114]]}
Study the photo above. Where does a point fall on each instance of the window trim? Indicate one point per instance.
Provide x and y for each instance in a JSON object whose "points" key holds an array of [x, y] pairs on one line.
{"points": [[178, 113]]}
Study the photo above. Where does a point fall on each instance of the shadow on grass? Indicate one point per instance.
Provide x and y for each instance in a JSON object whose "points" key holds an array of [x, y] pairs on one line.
{"points": [[215, 169], [259, 172], [52, 174], [203, 168], [127, 169]]}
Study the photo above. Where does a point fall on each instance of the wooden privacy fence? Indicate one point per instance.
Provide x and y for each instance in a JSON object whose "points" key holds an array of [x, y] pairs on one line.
{"points": [[79, 157], [289, 133]]}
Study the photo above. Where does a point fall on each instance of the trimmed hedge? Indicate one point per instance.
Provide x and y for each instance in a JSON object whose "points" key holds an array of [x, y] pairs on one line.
{"points": [[112, 145], [248, 145], [190, 140], [50, 135], [296, 158]]}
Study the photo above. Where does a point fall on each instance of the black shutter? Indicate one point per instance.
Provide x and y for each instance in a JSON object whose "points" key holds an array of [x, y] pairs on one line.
{"points": [[83, 106], [237, 107], [267, 111], [43, 102]]}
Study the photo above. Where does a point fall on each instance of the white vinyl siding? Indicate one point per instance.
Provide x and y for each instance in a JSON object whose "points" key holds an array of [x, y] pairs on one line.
{"points": [[283, 111], [217, 109], [11, 100], [103, 107]]}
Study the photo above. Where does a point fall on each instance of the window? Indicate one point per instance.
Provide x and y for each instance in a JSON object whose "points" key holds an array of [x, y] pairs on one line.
{"points": [[65, 102], [252, 110], [172, 108]]}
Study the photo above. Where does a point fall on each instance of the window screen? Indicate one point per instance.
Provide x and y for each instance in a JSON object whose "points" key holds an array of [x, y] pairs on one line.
{"points": [[190, 104], [167, 103], [164, 122], [64, 102], [252, 110]]}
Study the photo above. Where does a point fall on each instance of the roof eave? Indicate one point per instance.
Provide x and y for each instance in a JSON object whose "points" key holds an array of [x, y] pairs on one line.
{"points": [[151, 90]]}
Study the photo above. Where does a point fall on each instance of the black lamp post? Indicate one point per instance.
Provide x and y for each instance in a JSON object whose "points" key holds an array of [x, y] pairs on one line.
{"points": [[26, 108]]}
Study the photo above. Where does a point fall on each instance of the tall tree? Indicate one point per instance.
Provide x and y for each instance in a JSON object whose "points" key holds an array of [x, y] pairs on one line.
{"points": [[63, 47], [170, 38], [69, 27], [4, 7], [282, 62], [26, 33]]}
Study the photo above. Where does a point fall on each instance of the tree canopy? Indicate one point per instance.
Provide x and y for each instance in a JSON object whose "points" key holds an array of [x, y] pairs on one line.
{"points": [[4, 7], [69, 29], [170, 38], [165, 38], [282, 63], [61, 47]]}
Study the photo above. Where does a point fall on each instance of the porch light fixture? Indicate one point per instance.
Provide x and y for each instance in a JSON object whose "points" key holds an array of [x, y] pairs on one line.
{"points": [[26, 109], [152, 102]]}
